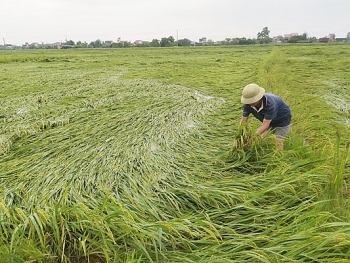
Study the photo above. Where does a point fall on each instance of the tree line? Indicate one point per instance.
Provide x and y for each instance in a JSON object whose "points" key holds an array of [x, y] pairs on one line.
{"points": [[263, 37]]}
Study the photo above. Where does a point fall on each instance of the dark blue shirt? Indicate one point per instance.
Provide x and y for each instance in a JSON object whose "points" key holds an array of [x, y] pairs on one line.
{"points": [[274, 109]]}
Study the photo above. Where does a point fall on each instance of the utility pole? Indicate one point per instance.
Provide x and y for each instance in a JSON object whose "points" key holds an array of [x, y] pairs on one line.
{"points": [[177, 37], [4, 41]]}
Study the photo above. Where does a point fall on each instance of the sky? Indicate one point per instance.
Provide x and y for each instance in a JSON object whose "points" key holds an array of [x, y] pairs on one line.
{"points": [[52, 21]]}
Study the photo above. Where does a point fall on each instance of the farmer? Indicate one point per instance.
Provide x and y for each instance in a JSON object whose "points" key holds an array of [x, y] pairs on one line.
{"points": [[268, 108]]}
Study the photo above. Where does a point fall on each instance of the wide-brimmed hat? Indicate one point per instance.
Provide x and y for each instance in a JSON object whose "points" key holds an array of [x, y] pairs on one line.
{"points": [[252, 93]]}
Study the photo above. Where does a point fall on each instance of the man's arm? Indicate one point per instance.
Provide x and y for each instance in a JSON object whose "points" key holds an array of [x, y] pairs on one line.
{"points": [[263, 128], [260, 131], [243, 121]]}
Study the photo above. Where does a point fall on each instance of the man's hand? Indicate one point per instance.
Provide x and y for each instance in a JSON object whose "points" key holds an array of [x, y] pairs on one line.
{"points": [[250, 140]]}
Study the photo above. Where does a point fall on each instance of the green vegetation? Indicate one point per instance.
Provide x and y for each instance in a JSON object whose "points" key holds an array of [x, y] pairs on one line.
{"points": [[126, 155]]}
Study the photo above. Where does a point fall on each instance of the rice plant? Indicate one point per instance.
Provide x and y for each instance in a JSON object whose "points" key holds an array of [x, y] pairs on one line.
{"points": [[107, 159]]}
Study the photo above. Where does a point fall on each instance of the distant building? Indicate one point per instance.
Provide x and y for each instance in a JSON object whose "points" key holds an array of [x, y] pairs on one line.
{"points": [[8, 46], [108, 43], [57, 45], [341, 39], [323, 40], [289, 36], [193, 43], [277, 39], [331, 37], [138, 42]]}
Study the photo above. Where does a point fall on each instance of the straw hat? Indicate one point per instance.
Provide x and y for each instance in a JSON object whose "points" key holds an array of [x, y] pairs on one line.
{"points": [[252, 93]]}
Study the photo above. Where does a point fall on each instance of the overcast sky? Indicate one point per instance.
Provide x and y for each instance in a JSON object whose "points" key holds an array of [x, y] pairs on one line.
{"points": [[88, 20]]}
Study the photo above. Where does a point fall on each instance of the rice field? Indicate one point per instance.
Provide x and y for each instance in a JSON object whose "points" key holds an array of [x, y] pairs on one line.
{"points": [[127, 155]]}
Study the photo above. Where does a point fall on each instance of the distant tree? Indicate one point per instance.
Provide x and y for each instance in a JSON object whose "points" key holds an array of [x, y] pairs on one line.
{"points": [[251, 41], [80, 44], [98, 43], [312, 39], [117, 45], [293, 39], [348, 37], [69, 42], [126, 44], [171, 39], [146, 44], [120, 44], [263, 36], [227, 41], [184, 42], [242, 41], [167, 41], [164, 42], [155, 43], [232, 41]]}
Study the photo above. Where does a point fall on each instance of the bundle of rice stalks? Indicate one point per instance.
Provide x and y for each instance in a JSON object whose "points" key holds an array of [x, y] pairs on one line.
{"points": [[251, 153], [242, 137]]}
